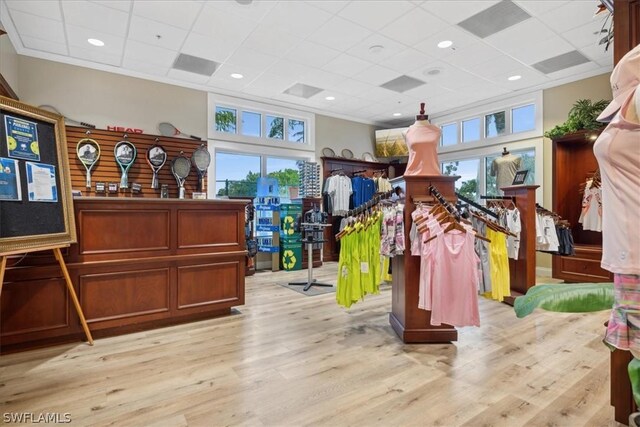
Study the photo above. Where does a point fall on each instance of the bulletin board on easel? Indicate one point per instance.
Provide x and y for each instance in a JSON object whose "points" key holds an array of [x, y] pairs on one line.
{"points": [[36, 204]]}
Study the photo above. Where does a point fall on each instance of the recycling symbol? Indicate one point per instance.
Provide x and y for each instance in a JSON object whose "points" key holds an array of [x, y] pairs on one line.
{"points": [[288, 259], [287, 226]]}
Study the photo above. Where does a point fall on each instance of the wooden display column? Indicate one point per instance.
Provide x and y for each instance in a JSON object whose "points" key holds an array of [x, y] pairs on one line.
{"points": [[412, 324], [523, 271]]}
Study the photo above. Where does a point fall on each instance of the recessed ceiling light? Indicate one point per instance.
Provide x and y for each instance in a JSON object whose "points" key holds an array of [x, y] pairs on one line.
{"points": [[376, 48], [237, 75], [445, 44], [330, 98], [514, 78], [396, 114], [96, 42]]}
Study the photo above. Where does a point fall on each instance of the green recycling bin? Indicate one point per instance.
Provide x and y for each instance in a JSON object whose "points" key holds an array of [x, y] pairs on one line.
{"points": [[290, 256]]}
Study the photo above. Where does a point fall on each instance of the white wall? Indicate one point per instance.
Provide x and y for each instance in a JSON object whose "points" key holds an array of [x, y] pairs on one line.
{"points": [[338, 134], [104, 99], [9, 63]]}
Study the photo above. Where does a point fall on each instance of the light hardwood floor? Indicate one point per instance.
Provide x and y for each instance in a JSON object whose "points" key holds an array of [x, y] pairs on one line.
{"points": [[289, 360]]}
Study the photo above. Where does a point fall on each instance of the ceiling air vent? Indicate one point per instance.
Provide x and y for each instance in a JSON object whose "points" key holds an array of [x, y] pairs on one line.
{"points": [[560, 62], [495, 18], [402, 84], [302, 90], [196, 65]]}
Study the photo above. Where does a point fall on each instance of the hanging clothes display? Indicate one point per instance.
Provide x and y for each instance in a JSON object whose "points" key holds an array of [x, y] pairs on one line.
{"points": [[449, 279], [382, 184], [591, 212], [363, 190], [359, 269], [553, 234], [338, 188]]}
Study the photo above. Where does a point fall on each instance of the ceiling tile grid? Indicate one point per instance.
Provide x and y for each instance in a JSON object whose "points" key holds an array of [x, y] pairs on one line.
{"points": [[347, 49]]}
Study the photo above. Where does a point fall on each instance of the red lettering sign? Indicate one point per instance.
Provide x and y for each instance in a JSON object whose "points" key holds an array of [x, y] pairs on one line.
{"points": [[125, 130]]}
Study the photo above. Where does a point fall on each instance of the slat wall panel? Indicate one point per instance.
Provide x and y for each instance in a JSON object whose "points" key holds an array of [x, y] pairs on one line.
{"points": [[107, 170]]}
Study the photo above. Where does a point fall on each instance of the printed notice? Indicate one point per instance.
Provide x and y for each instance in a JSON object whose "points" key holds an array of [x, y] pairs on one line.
{"points": [[22, 138], [10, 189], [41, 182]]}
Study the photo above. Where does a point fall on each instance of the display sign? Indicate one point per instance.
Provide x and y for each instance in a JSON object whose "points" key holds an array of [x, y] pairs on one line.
{"points": [[41, 182], [9, 180], [22, 138], [520, 177]]}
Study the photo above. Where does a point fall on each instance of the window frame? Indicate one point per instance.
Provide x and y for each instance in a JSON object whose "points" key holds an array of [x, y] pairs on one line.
{"points": [[458, 137], [515, 107]]}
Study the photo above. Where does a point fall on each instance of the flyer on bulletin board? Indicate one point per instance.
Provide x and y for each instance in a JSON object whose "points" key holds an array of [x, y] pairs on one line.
{"points": [[10, 189], [41, 182], [22, 138]]}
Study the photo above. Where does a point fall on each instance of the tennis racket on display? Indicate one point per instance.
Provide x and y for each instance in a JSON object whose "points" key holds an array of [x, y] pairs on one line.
{"points": [[66, 119], [88, 152], [201, 159], [125, 154], [180, 167], [167, 129], [156, 158]]}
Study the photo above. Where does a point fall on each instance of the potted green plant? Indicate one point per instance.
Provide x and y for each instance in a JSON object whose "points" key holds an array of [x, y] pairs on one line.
{"points": [[582, 116]]}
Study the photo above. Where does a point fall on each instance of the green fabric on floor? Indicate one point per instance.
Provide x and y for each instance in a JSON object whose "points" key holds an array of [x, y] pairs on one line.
{"points": [[566, 298]]}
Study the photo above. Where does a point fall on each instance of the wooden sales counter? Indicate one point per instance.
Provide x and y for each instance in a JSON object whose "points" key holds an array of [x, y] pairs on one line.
{"points": [[138, 264]]}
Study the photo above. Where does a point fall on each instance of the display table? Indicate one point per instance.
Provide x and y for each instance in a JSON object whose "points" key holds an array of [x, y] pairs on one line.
{"points": [[138, 264]]}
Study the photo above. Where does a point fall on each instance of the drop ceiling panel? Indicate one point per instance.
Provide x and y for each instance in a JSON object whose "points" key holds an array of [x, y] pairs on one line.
{"points": [[144, 67], [414, 27], [459, 37], [543, 50], [45, 45], [296, 17], [270, 83], [256, 10], [538, 7], [375, 14], [458, 10], [124, 5], [587, 35], [469, 57], [288, 69], [250, 58], [519, 37], [230, 27], [187, 76], [363, 50], [321, 78], [222, 77], [346, 65], [179, 14], [146, 31], [597, 53], [38, 27], [210, 48], [94, 55], [576, 70], [351, 87], [570, 15], [330, 6], [408, 60], [113, 45], [43, 8], [376, 75], [96, 17], [312, 54], [339, 34], [497, 66], [271, 41], [151, 54]]}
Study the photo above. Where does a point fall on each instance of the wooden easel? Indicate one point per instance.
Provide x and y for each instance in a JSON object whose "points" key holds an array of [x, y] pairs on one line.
{"points": [[67, 279]]}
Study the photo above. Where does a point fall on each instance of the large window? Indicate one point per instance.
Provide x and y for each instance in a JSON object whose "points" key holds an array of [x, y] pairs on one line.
{"points": [[226, 119], [237, 174], [295, 130], [449, 134], [468, 170], [286, 172], [275, 127], [528, 159], [251, 124], [523, 118], [471, 130], [494, 124]]}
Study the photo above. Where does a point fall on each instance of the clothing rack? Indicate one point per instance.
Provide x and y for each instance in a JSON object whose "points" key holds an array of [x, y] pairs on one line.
{"points": [[358, 172], [477, 206], [371, 203], [513, 199], [446, 204]]}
